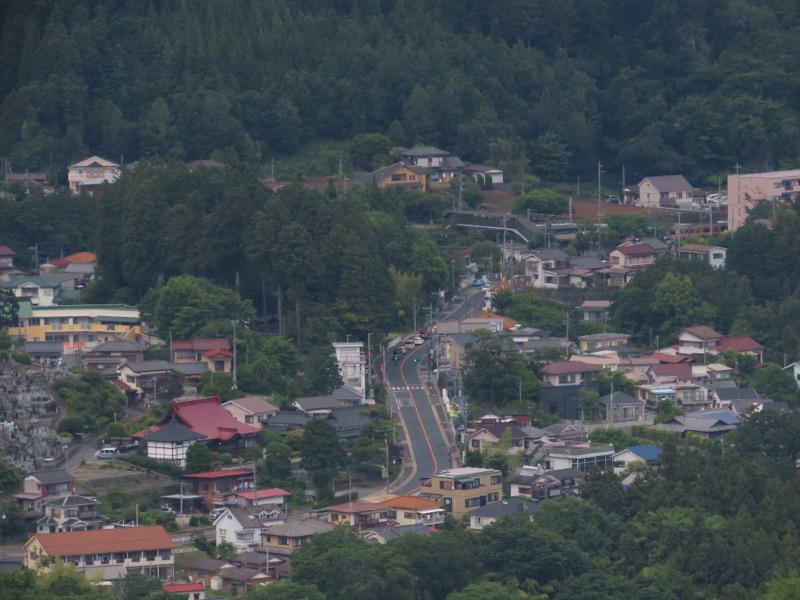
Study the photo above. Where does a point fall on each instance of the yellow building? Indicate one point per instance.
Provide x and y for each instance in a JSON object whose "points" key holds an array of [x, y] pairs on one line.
{"points": [[462, 489], [78, 327]]}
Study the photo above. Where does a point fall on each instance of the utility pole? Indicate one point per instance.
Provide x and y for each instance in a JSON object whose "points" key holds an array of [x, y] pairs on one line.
{"points": [[599, 204], [234, 322]]}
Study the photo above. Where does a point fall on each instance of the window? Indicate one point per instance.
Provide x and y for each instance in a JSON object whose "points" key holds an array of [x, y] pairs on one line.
{"points": [[493, 497], [469, 502], [476, 443], [566, 379], [478, 520], [283, 541], [244, 536], [497, 479], [248, 418]]}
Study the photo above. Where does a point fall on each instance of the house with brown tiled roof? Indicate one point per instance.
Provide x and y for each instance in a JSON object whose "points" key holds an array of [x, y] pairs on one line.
{"points": [[596, 310], [743, 345], [410, 510], [251, 409], [713, 255], [637, 256], [194, 350], [489, 436], [110, 552], [567, 372], [698, 340]]}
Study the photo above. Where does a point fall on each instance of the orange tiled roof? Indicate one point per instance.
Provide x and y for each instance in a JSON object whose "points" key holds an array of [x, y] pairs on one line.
{"points": [[104, 541], [408, 502]]}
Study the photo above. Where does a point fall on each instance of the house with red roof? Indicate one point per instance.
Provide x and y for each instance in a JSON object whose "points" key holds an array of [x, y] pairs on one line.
{"points": [[269, 498], [743, 345], [207, 416], [413, 510], [190, 591], [105, 553], [195, 350]]}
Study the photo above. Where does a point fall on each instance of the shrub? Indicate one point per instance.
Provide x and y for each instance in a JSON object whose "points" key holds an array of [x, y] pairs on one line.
{"points": [[21, 358]]}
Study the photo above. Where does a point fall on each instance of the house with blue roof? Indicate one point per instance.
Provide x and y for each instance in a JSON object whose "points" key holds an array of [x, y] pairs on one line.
{"points": [[647, 453]]}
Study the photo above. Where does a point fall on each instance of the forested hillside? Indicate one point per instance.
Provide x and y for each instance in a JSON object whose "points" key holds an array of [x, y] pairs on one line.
{"points": [[545, 87]]}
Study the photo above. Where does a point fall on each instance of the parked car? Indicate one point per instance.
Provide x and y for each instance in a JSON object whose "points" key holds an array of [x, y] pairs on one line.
{"points": [[215, 512], [418, 341], [106, 453], [167, 510], [478, 283], [613, 199]]}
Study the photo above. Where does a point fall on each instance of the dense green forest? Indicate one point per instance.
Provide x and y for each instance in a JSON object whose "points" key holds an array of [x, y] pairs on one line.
{"points": [[548, 88]]}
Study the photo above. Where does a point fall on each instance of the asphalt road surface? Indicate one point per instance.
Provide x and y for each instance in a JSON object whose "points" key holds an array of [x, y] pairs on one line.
{"points": [[408, 394]]}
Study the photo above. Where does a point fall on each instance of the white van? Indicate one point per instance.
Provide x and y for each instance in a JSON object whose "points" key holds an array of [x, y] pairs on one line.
{"points": [[105, 453]]}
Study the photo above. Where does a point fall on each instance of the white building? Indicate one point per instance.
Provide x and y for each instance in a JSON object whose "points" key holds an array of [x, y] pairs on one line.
{"points": [[352, 367], [89, 174]]}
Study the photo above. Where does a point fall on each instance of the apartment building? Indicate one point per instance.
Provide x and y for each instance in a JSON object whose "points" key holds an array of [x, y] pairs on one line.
{"points": [[746, 191], [462, 489]]}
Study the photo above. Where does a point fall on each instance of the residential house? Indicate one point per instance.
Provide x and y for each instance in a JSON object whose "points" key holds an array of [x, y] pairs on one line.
{"points": [[294, 533], [602, 341], [266, 499], [250, 409], [171, 442], [713, 255], [7, 269], [188, 591], [235, 582], [584, 457], [397, 175], [658, 246], [69, 513], [440, 163], [317, 406], [485, 437], [207, 417], [489, 418], [363, 515], [562, 400], [218, 487], [107, 357], [637, 256], [723, 397], [42, 485], [794, 370], [142, 377], [45, 353], [544, 267], [541, 485], [78, 327], [636, 369], [187, 351], [666, 191], [286, 421], [111, 552], [460, 489], [567, 372], [414, 510], [89, 174], [348, 421], [241, 527], [706, 425], [748, 190], [387, 534], [670, 373], [483, 516], [743, 345], [688, 394], [617, 276], [484, 174], [81, 264], [34, 289], [646, 453], [619, 407], [493, 323], [202, 570], [698, 340], [596, 310]]}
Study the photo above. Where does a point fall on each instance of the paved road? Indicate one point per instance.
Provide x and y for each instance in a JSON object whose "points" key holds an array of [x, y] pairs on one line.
{"points": [[408, 394]]}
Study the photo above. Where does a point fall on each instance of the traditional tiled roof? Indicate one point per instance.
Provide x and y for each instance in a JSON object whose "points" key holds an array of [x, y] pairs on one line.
{"points": [[253, 404], [105, 541], [172, 431], [207, 417], [219, 474], [670, 183], [202, 344], [637, 250], [570, 366], [703, 332], [740, 344], [300, 528], [52, 476], [499, 430], [409, 502]]}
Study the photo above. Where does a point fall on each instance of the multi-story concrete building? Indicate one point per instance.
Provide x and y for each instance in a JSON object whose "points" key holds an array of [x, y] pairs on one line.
{"points": [[79, 327], [462, 489], [746, 191]]}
